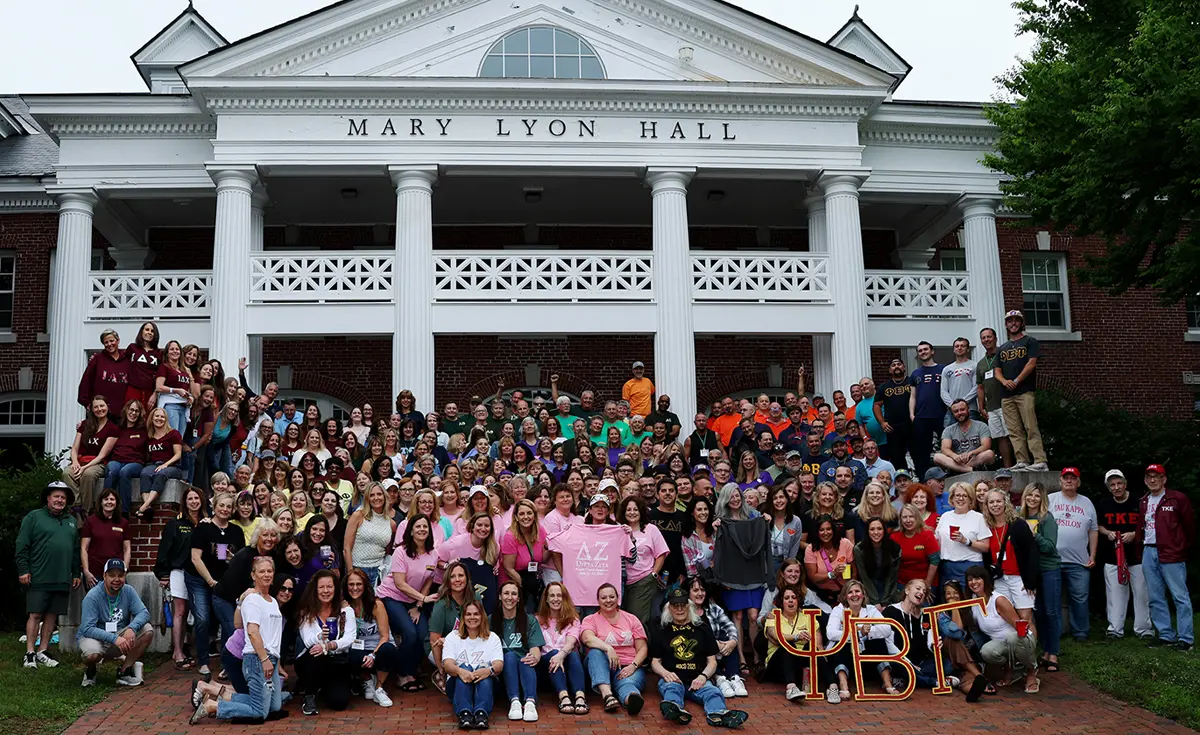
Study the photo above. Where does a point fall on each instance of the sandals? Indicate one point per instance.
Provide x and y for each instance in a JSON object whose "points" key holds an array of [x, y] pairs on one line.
{"points": [[413, 686], [196, 697], [581, 705], [1047, 665], [564, 704], [183, 664], [1035, 687], [611, 703], [439, 681]]}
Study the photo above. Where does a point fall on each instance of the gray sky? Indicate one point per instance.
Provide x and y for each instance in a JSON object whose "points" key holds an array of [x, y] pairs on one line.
{"points": [[956, 47]]}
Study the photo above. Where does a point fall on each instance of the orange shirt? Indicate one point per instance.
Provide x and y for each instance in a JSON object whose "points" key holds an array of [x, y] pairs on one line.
{"points": [[638, 391], [725, 426]]}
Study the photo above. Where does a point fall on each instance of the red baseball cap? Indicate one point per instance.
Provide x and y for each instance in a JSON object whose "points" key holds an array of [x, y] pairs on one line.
{"points": [[1157, 468], [1070, 471]]}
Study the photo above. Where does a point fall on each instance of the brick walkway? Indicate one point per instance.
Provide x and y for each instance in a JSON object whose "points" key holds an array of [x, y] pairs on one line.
{"points": [[1065, 705]]}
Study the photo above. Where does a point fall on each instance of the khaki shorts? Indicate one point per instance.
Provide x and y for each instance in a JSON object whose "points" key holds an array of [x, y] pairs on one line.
{"points": [[107, 651], [996, 425]]}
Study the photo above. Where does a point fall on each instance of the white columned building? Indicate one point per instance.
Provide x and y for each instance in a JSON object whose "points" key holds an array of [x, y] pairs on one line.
{"points": [[795, 202], [67, 333], [412, 350], [674, 339]]}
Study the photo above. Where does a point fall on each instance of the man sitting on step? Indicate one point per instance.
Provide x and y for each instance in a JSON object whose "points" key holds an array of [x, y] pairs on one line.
{"points": [[966, 444]]}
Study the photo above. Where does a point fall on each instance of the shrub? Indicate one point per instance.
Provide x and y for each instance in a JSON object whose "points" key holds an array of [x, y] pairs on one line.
{"points": [[20, 492]]}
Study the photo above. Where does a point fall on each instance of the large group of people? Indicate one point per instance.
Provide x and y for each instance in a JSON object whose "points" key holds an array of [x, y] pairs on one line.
{"points": [[584, 547]]}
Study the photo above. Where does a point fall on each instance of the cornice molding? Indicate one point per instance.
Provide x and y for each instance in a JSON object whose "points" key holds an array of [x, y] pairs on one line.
{"points": [[826, 108], [13, 203], [942, 137], [132, 127]]}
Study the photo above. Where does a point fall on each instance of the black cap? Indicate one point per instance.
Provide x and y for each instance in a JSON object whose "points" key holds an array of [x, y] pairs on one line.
{"points": [[779, 448], [114, 565], [677, 597]]}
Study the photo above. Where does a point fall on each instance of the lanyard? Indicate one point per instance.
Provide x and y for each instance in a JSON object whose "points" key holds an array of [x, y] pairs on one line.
{"points": [[112, 606]]}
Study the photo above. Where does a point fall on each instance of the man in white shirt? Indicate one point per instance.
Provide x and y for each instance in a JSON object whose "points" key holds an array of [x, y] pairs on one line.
{"points": [[1078, 536], [958, 380]]}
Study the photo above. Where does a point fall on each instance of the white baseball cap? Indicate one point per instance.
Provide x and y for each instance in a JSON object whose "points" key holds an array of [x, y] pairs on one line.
{"points": [[1113, 473]]}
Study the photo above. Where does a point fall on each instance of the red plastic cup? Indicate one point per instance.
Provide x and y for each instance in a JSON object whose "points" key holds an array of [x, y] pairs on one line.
{"points": [[953, 531], [1022, 628]]}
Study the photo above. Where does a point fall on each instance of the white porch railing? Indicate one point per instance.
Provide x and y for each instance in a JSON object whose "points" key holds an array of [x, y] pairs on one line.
{"points": [[542, 276], [760, 277], [936, 294], [308, 277], [149, 294]]}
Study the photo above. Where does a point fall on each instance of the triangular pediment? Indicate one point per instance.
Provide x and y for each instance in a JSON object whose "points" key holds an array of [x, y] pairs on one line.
{"points": [[683, 40], [857, 38], [189, 36]]}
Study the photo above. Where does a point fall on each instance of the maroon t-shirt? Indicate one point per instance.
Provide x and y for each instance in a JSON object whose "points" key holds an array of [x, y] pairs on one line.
{"points": [[162, 449], [130, 446], [107, 541], [143, 366], [174, 378], [105, 377], [89, 447]]}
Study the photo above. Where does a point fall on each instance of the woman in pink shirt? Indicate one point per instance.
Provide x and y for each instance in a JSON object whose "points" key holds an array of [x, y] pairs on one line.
{"points": [[477, 543], [561, 662], [478, 501], [559, 519], [642, 578], [406, 597], [617, 649], [523, 551]]}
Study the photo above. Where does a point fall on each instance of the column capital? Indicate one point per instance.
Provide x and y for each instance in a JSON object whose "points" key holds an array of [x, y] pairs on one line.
{"points": [[842, 181], [75, 200], [259, 199], [413, 177], [814, 201], [978, 205], [669, 179], [241, 177]]}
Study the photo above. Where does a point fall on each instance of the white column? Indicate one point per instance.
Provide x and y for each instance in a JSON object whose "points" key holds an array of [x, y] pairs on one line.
{"points": [[258, 203], [675, 337], [851, 342], [231, 265], [821, 380], [412, 345], [72, 262], [983, 263]]}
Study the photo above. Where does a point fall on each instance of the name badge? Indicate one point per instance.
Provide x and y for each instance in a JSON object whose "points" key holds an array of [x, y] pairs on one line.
{"points": [[110, 627], [989, 374], [533, 567], [118, 529], [357, 645], [222, 552]]}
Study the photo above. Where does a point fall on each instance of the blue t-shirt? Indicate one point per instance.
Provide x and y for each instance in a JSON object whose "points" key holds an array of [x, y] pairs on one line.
{"points": [[927, 382]]}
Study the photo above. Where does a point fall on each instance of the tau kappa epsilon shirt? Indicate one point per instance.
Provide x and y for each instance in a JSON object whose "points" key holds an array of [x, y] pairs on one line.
{"points": [[591, 556]]}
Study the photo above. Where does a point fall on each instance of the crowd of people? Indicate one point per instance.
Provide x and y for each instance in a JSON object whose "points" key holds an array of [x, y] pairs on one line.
{"points": [[582, 547]]}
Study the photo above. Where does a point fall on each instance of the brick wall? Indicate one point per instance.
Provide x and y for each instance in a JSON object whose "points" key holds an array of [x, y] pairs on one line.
{"points": [[1132, 339], [354, 371], [471, 365], [31, 238], [144, 547], [726, 364]]}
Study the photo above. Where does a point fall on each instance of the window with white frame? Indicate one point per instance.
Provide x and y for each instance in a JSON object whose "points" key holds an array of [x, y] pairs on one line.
{"points": [[22, 414], [8, 277], [1193, 311], [954, 260], [542, 52], [1044, 285], [330, 408]]}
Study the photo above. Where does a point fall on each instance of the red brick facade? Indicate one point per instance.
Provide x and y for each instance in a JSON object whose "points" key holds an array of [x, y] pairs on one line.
{"points": [[357, 370]]}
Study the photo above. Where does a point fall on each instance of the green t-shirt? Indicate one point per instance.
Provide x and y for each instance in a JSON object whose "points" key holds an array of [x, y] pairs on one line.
{"points": [[985, 376], [511, 639], [443, 619]]}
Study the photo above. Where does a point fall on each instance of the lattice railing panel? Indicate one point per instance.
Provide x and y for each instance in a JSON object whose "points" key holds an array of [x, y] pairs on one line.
{"points": [[309, 277], [763, 277], [941, 294], [541, 276], [149, 294]]}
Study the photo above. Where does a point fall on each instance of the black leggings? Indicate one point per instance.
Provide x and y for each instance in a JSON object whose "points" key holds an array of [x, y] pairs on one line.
{"points": [[845, 657], [387, 659], [786, 668], [329, 675]]}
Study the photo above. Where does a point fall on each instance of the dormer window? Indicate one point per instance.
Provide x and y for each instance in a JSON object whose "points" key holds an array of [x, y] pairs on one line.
{"points": [[542, 52]]}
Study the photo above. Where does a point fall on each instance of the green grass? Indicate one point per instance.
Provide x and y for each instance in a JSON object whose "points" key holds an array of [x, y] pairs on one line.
{"points": [[47, 701], [1161, 680]]}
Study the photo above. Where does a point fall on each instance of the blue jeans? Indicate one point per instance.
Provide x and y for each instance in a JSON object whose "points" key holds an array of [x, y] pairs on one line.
{"points": [[177, 416], [220, 459], [200, 596], [1047, 611], [412, 635], [260, 701], [1161, 579], [224, 611], [233, 669], [1076, 580], [372, 575], [153, 481], [957, 571], [707, 696], [473, 697], [601, 673], [519, 677], [567, 679], [120, 475]]}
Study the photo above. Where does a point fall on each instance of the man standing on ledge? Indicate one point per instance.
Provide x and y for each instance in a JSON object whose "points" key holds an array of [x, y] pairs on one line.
{"points": [[1016, 369], [1167, 531], [49, 567], [639, 391], [988, 395], [925, 407]]}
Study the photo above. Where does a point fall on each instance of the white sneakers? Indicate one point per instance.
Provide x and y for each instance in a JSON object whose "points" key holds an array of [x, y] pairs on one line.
{"points": [[369, 688], [515, 711], [792, 693], [44, 659], [738, 686], [530, 714], [725, 687], [832, 695], [1038, 467], [381, 698], [89, 677]]}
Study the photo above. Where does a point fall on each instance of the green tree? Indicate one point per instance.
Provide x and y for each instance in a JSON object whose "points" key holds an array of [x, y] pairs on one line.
{"points": [[1103, 134]]}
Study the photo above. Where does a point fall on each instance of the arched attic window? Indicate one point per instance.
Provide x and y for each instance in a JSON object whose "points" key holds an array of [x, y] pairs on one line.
{"points": [[542, 52]]}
